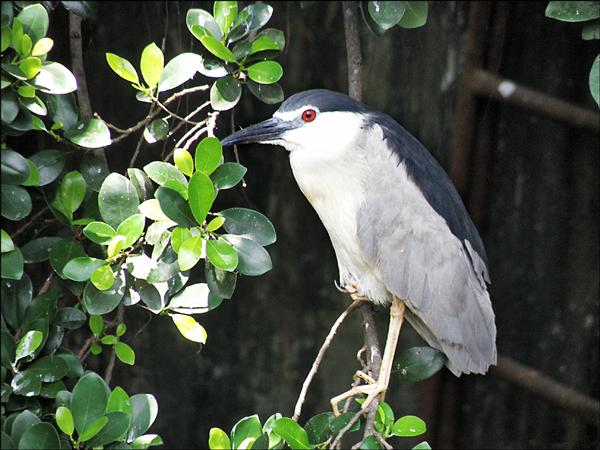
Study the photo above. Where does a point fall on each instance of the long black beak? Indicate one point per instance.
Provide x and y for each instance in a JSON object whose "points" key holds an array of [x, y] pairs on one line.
{"points": [[267, 131]]}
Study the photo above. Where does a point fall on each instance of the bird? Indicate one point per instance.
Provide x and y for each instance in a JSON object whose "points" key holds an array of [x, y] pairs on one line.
{"points": [[400, 231]]}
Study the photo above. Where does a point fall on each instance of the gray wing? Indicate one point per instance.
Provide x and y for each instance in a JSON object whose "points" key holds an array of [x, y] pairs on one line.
{"points": [[421, 261]]}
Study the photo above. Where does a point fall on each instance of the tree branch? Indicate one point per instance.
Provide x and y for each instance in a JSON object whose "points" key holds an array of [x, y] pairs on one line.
{"points": [[111, 363]]}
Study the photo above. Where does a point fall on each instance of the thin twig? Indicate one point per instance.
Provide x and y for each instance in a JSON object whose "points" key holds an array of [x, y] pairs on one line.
{"points": [[46, 284], [31, 221], [85, 349], [337, 441], [111, 363], [137, 151], [319, 358]]}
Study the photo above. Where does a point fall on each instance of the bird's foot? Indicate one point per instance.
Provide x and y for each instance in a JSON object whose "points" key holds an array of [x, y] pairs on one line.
{"points": [[351, 289], [371, 390]]}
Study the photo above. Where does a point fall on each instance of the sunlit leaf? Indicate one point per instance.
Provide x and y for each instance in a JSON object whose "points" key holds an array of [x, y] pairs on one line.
{"points": [[122, 67]]}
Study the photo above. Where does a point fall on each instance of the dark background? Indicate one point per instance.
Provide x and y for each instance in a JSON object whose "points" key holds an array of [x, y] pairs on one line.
{"points": [[538, 218]]}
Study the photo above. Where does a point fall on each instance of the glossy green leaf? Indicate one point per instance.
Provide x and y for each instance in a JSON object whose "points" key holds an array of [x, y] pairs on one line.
{"points": [[7, 243], [203, 19], [175, 207], [595, 80], [49, 368], [5, 42], [117, 199], [152, 64], [370, 443], [99, 232], [213, 68], [72, 191], [40, 436], [189, 328], [54, 78], [70, 318], [179, 70], [119, 401], [342, 420], [10, 106], [132, 228], [28, 344], [208, 156], [409, 426], [194, 299], [201, 195], [15, 202], [125, 353], [292, 433], [415, 15], [109, 339], [419, 363], [160, 172], [27, 384], [249, 224], [34, 19], [23, 421], [82, 268], [157, 130], [267, 93], [50, 164], [16, 298], [225, 13], [122, 67], [254, 260], [573, 11], [215, 223], [262, 43], [26, 46], [64, 420], [42, 47], [103, 278], [116, 427], [100, 302], [221, 283], [34, 175], [151, 209], [63, 110], [265, 72], [26, 92], [30, 66], [96, 324], [222, 254], [386, 14], [91, 134], [184, 161], [190, 252], [217, 48], [218, 439], [89, 400], [62, 252], [146, 441], [245, 432], [141, 182], [121, 329], [318, 428], [422, 446], [14, 167], [93, 429], [225, 93], [144, 410], [12, 264], [94, 171]]}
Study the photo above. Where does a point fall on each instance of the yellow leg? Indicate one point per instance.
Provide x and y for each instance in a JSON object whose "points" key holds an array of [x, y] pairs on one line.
{"points": [[372, 390]]}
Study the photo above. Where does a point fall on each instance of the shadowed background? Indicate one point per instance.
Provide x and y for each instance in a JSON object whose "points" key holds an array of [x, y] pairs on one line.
{"points": [[537, 214]]}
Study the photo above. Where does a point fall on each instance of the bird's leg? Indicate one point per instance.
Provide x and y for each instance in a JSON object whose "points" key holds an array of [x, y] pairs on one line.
{"points": [[375, 388]]}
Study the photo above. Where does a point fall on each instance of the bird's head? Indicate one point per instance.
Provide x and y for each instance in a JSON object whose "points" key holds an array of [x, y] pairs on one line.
{"points": [[317, 120]]}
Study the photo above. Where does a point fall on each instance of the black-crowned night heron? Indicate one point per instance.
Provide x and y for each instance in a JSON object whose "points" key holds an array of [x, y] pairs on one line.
{"points": [[400, 231]]}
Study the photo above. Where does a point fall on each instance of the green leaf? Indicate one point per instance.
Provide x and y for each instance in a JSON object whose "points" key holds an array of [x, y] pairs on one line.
{"points": [[179, 70], [114, 430], [222, 254], [91, 134], [189, 328], [39, 436], [415, 15], [15, 202], [62, 252], [14, 167], [115, 246], [215, 224], [227, 175], [72, 191], [54, 78], [218, 439], [225, 13], [225, 93], [34, 175], [10, 106], [573, 11], [26, 46], [208, 156], [151, 210], [318, 428], [213, 68], [141, 182], [7, 243], [144, 411], [422, 446], [292, 433], [205, 20], [93, 429], [5, 42], [109, 339], [201, 195], [34, 19], [194, 299], [49, 368], [42, 47], [94, 171], [96, 324], [409, 426], [591, 30], [175, 207], [85, 9], [254, 260], [267, 93], [122, 67], [190, 252], [117, 199], [178, 236], [8, 347], [146, 441], [156, 131], [216, 47], [160, 172], [28, 344], [341, 421], [89, 400], [50, 163], [245, 432], [132, 228], [249, 224], [63, 110], [265, 72], [102, 302], [419, 363], [125, 353], [119, 401], [30, 66], [70, 318], [22, 423], [595, 80], [221, 283], [121, 329], [370, 443], [82, 268], [263, 43], [152, 64], [64, 420], [384, 419], [27, 384], [183, 161], [386, 14], [99, 232]]}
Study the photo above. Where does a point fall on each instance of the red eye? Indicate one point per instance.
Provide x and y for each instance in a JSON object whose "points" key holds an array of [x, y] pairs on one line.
{"points": [[309, 115]]}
